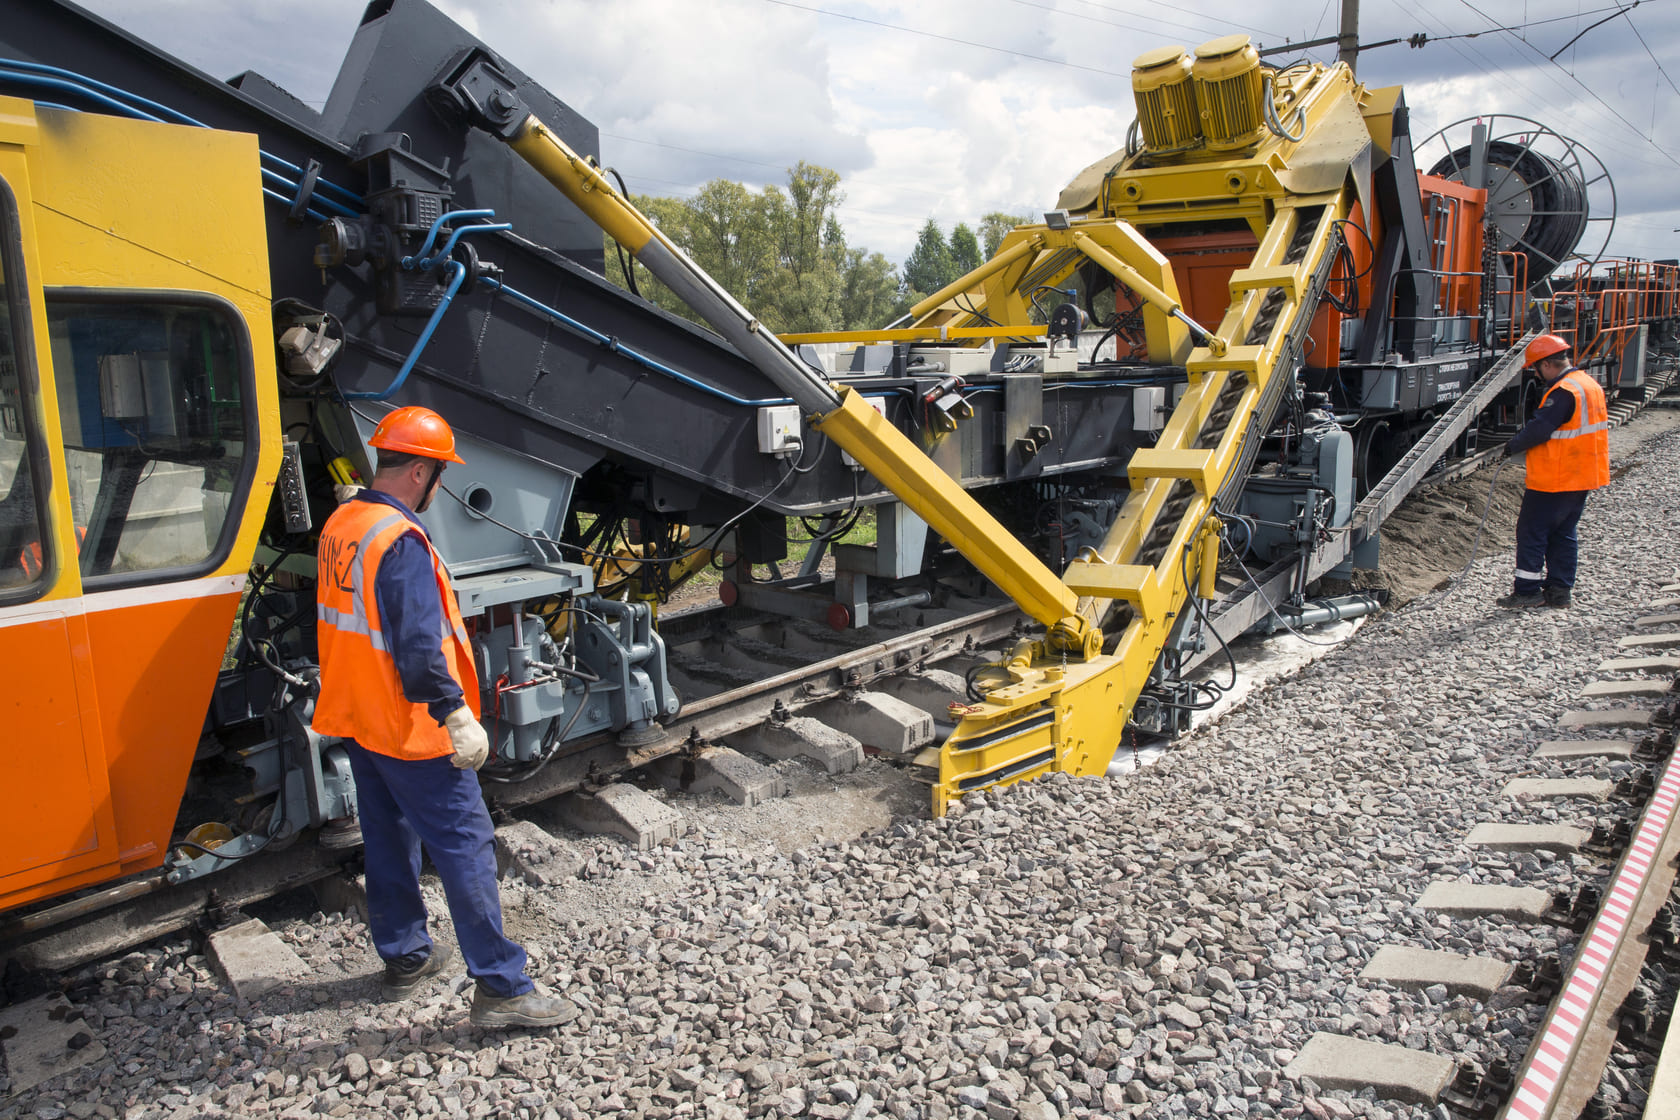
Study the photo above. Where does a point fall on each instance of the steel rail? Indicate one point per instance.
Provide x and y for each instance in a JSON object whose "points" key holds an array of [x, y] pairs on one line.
{"points": [[728, 713], [1558, 1076], [117, 917]]}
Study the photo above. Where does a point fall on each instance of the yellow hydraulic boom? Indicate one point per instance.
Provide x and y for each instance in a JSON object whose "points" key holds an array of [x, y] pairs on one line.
{"points": [[1280, 161]]}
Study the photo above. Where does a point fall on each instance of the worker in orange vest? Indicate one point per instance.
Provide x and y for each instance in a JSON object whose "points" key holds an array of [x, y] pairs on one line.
{"points": [[398, 682], [34, 560], [1568, 446]]}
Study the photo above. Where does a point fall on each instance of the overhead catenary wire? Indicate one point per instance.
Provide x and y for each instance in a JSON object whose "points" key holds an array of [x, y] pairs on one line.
{"points": [[1634, 27], [1590, 26], [1665, 153], [1176, 8], [1484, 62], [947, 38], [1157, 20]]}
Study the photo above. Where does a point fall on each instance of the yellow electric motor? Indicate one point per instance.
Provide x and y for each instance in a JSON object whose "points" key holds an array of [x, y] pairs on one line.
{"points": [[1166, 98], [1228, 91]]}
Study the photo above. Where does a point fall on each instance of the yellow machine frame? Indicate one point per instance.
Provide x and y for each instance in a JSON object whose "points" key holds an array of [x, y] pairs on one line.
{"points": [[1062, 702]]}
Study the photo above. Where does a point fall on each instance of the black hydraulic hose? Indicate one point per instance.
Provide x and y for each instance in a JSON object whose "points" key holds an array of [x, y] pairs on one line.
{"points": [[551, 746]]}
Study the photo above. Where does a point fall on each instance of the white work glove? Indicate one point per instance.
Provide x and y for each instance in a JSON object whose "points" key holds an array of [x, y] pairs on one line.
{"points": [[344, 491], [467, 736]]}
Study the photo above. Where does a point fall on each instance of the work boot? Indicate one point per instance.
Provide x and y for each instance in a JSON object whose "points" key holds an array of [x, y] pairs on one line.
{"points": [[1557, 596], [535, 1008], [399, 982], [1521, 599]]}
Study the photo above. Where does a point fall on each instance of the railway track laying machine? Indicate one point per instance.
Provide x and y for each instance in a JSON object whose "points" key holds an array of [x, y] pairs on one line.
{"points": [[1143, 415]]}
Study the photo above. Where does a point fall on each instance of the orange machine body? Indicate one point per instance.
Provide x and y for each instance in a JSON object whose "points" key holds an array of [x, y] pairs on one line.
{"points": [[135, 279]]}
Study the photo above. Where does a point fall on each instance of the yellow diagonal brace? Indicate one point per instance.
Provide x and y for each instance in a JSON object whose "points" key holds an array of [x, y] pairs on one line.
{"points": [[1280, 276], [1248, 359], [953, 513], [977, 277], [1137, 584]]}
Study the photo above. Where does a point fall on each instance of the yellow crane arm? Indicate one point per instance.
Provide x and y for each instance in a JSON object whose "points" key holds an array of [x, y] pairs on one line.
{"points": [[477, 88]]}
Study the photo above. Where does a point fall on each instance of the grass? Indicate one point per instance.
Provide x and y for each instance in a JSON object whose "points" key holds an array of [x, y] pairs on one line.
{"points": [[704, 583]]}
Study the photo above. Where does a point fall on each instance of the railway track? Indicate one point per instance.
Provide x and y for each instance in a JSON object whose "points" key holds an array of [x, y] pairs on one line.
{"points": [[737, 669], [1185, 933], [1612, 987]]}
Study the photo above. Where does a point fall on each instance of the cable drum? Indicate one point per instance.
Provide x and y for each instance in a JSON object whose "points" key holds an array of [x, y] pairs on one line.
{"points": [[1540, 206], [1549, 197]]}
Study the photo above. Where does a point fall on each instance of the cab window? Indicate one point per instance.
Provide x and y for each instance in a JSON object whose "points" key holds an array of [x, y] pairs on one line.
{"points": [[153, 396], [26, 559]]}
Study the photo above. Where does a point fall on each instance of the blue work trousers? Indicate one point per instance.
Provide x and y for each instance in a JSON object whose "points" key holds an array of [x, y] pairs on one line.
{"points": [[1546, 541], [404, 804]]}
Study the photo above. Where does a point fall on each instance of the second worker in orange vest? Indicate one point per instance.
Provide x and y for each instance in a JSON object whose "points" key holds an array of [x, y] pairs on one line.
{"points": [[1568, 446], [398, 684]]}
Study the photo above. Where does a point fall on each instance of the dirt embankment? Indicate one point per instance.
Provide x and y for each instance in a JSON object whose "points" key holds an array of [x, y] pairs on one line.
{"points": [[1430, 538]]}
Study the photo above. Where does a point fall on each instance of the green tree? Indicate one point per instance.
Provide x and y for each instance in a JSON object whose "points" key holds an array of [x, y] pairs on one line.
{"points": [[994, 227], [782, 254], [928, 268], [726, 229], [803, 292], [965, 251], [871, 296]]}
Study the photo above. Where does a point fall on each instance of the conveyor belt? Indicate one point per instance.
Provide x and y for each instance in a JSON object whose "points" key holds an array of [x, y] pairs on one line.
{"points": [[1252, 601]]}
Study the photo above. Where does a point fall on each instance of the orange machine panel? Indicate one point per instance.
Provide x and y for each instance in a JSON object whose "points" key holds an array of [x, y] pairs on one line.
{"points": [[1324, 341], [55, 807], [1202, 265], [1453, 214], [156, 665]]}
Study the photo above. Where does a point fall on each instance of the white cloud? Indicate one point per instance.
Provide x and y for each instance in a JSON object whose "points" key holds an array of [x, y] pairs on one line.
{"points": [[920, 125]]}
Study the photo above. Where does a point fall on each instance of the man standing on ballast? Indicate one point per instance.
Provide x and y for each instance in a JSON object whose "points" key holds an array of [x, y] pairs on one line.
{"points": [[1568, 446], [398, 681]]}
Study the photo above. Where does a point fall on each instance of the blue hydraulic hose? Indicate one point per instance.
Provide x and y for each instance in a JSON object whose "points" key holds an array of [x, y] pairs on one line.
{"points": [[350, 197], [311, 213], [457, 274], [142, 108], [431, 234], [280, 180], [455, 236], [134, 100], [44, 82]]}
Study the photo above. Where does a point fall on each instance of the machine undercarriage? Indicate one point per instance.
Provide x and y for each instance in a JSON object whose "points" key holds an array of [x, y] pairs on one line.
{"points": [[1199, 383]]}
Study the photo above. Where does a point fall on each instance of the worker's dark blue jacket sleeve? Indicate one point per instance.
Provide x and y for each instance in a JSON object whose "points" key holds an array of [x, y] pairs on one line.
{"points": [[411, 618], [1548, 418]]}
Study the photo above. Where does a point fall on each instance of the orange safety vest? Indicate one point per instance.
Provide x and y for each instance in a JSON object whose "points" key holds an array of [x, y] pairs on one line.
{"points": [[361, 693], [34, 559], [1577, 456]]}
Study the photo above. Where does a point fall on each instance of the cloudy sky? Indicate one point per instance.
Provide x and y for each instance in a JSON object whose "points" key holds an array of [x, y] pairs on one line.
{"points": [[952, 108]]}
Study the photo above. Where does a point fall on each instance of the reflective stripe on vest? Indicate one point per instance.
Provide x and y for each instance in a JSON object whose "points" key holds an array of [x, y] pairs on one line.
{"points": [[361, 692], [1577, 456], [356, 620]]}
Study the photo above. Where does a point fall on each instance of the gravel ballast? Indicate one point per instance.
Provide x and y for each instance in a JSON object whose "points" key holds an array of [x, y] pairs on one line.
{"points": [[1161, 944]]}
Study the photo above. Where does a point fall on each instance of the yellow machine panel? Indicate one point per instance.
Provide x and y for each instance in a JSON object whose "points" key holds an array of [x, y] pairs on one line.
{"points": [[136, 272]]}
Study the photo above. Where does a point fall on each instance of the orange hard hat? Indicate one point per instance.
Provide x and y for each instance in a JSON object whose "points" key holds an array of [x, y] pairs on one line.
{"points": [[1544, 347], [414, 430]]}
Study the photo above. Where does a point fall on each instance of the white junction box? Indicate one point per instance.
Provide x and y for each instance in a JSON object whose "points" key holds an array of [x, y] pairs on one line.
{"points": [[778, 429], [879, 404], [1149, 408]]}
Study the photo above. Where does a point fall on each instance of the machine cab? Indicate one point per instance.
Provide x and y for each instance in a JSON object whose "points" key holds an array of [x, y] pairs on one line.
{"points": [[134, 430]]}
